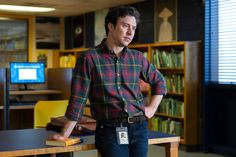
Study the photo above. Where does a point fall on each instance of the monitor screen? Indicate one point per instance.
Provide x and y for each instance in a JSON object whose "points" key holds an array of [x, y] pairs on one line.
{"points": [[27, 73]]}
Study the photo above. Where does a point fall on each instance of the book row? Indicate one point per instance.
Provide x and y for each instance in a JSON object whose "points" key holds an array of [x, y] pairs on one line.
{"points": [[172, 106], [168, 59], [67, 61], [13, 44], [167, 126], [174, 83]]}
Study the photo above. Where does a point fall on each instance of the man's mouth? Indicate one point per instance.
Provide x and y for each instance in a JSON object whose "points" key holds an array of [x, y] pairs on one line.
{"points": [[127, 39]]}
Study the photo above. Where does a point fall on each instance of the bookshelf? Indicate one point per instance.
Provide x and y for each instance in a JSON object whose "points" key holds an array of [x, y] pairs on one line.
{"points": [[67, 58], [179, 111]]}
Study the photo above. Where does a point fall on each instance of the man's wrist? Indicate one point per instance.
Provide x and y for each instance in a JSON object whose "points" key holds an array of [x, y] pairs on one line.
{"points": [[63, 131], [68, 127]]}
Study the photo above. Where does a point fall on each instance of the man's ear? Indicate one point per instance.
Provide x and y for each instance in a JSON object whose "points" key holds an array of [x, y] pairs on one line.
{"points": [[110, 27]]}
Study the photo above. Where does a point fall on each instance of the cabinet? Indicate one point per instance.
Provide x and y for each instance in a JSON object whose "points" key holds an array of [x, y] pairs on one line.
{"points": [[179, 111]]}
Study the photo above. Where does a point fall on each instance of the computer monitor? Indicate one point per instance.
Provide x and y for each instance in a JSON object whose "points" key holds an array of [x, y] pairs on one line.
{"points": [[27, 73]]}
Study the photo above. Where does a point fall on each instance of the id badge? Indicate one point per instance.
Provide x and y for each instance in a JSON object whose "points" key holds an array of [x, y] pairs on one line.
{"points": [[122, 135]]}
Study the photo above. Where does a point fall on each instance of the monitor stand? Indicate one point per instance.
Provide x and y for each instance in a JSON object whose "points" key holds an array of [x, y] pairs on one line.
{"points": [[25, 88]]}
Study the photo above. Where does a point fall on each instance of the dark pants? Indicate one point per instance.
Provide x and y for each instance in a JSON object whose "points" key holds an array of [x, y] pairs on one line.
{"points": [[106, 140]]}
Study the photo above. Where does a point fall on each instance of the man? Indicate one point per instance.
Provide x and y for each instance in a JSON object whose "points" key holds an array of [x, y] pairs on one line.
{"points": [[109, 75]]}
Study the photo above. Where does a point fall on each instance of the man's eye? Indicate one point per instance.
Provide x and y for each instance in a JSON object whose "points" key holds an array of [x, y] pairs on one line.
{"points": [[125, 25]]}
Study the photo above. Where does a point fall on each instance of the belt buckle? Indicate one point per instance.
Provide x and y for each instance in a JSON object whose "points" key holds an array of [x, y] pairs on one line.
{"points": [[129, 120]]}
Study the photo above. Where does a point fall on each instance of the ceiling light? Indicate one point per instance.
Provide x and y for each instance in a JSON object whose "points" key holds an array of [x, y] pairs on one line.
{"points": [[5, 18], [25, 8]]}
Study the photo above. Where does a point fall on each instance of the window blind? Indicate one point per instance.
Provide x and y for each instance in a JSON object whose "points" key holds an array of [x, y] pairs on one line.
{"points": [[220, 41]]}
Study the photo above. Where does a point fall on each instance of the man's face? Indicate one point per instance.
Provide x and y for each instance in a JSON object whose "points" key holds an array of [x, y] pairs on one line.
{"points": [[123, 32]]}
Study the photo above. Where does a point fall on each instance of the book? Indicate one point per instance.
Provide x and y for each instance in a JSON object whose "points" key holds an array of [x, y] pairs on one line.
{"points": [[68, 142], [84, 125], [60, 121]]}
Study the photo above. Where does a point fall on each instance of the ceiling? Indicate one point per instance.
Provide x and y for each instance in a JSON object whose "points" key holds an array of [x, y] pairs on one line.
{"points": [[66, 7]]}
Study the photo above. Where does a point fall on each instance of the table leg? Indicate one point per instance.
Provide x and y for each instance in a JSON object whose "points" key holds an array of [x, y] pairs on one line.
{"points": [[53, 155], [172, 149]]}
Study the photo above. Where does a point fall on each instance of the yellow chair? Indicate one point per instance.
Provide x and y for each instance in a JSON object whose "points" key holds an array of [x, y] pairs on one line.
{"points": [[44, 110]]}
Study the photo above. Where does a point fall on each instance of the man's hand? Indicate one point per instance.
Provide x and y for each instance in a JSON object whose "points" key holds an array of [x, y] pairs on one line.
{"points": [[57, 137], [150, 109], [65, 132]]}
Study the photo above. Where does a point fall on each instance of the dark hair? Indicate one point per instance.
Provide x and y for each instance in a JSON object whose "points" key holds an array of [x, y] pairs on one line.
{"points": [[121, 11]]}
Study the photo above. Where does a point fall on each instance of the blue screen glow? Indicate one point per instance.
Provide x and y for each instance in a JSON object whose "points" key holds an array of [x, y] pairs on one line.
{"points": [[27, 72]]}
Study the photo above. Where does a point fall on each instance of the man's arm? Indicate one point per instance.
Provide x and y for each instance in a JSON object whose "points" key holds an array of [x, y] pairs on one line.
{"points": [[157, 83], [65, 132], [151, 108]]}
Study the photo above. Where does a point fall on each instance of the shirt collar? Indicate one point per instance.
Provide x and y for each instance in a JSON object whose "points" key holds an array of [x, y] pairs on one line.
{"points": [[105, 48]]}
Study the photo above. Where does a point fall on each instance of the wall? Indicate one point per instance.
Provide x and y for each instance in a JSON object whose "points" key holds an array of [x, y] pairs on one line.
{"points": [[219, 119], [145, 32], [88, 31], [190, 20], [189, 23], [218, 103]]}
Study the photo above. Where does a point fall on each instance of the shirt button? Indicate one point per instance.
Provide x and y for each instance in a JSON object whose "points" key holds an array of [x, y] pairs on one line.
{"points": [[118, 74]]}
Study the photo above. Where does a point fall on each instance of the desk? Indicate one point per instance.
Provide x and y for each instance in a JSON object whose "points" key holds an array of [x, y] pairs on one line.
{"points": [[8, 106], [34, 92], [32, 142], [20, 107]]}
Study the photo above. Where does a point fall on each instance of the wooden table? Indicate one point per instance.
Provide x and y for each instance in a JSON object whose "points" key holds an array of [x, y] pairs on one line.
{"points": [[170, 142], [32, 142]]}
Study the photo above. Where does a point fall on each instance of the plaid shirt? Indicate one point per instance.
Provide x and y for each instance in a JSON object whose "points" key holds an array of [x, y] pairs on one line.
{"points": [[112, 83]]}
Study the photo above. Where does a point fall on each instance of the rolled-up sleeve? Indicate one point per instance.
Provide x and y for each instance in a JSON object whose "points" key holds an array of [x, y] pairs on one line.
{"points": [[153, 76], [80, 86]]}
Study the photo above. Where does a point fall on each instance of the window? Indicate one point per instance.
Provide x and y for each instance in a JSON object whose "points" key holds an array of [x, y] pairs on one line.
{"points": [[220, 41], [13, 40]]}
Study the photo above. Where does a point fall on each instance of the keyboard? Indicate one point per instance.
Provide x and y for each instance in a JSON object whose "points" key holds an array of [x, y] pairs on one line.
{"points": [[23, 103]]}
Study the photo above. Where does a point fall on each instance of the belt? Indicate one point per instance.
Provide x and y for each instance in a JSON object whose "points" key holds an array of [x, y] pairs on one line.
{"points": [[123, 120]]}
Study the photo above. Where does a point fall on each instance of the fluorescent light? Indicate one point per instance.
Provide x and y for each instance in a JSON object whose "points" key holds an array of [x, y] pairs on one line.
{"points": [[25, 8], [5, 18]]}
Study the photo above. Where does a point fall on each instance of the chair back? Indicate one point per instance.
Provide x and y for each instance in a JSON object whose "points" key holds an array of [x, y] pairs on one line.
{"points": [[44, 110]]}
